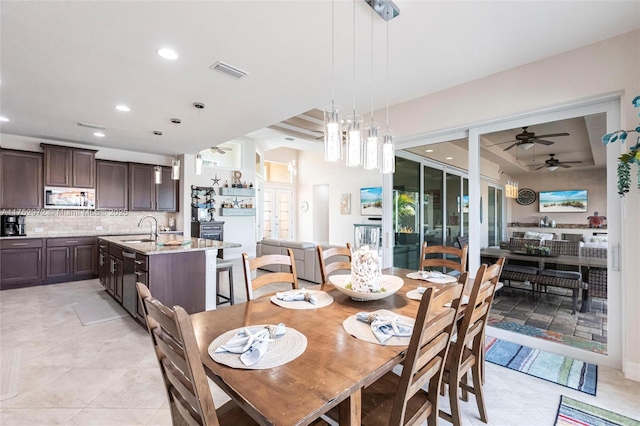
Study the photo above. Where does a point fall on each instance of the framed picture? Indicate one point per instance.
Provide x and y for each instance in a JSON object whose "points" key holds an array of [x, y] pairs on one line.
{"points": [[574, 201], [345, 204], [371, 201]]}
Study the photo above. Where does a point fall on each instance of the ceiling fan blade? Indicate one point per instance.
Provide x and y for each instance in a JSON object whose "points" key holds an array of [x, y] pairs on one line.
{"points": [[552, 135], [541, 167], [563, 165], [502, 143], [543, 142], [511, 146], [572, 162]]}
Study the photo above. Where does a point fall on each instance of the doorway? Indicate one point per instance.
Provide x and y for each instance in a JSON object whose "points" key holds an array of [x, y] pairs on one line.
{"points": [[278, 214]]}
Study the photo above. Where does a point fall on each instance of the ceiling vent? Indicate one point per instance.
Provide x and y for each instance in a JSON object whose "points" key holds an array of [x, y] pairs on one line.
{"points": [[92, 126], [229, 70]]}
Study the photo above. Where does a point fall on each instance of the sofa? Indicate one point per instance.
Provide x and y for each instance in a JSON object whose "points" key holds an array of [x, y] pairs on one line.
{"points": [[304, 253]]}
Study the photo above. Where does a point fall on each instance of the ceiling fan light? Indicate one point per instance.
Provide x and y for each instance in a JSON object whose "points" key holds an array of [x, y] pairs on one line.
{"points": [[552, 168], [526, 145]]}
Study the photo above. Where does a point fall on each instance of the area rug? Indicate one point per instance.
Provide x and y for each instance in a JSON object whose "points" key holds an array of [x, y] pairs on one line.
{"points": [[552, 336], [577, 413], [574, 374], [9, 372], [99, 311]]}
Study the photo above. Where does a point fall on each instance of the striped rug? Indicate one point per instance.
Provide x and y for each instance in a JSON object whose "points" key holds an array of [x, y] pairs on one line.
{"points": [[577, 413], [574, 374]]}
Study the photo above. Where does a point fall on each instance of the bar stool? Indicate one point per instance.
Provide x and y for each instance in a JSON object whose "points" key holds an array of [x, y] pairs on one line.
{"points": [[224, 266]]}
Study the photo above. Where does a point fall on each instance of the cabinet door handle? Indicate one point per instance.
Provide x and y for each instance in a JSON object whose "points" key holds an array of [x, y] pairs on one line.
{"points": [[69, 242], [138, 273], [75, 252], [66, 179], [113, 267], [128, 254], [67, 253], [20, 244], [39, 254], [139, 262]]}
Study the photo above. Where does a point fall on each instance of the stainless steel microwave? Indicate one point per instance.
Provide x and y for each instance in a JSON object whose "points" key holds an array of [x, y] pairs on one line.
{"points": [[69, 198]]}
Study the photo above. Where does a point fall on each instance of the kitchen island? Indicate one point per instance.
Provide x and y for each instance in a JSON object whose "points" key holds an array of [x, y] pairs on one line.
{"points": [[177, 270]]}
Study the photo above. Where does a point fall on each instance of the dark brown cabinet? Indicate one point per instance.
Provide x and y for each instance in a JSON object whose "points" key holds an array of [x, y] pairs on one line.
{"points": [[70, 258], [103, 264], [145, 195], [21, 261], [69, 167], [112, 185], [21, 179], [115, 274]]}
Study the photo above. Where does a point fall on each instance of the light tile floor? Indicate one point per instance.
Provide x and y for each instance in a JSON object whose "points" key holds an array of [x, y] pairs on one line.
{"points": [[106, 374]]}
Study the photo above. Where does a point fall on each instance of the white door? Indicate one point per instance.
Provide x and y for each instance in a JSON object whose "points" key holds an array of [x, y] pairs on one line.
{"points": [[278, 214]]}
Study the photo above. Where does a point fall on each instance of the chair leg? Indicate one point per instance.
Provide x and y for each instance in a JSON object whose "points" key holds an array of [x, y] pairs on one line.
{"points": [[465, 394], [231, 300], [575, 301], [477, 391], [454, 381]]}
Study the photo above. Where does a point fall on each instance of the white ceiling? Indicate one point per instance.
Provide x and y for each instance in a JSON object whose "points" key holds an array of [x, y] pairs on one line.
{"points": [[66, 61]]}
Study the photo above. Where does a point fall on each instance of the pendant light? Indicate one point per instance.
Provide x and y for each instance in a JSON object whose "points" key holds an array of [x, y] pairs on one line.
{"points": [[332, 131], [175, 163], [387, 152], [198, 166], [354, 122], [371, 148], [157, 170]]}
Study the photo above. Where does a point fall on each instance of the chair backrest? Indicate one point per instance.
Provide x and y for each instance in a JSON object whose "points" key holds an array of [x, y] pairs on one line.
{"points": [[437, 256], [427, 351], [473, 323], [326, 268], [250, 265], [179, 357]]}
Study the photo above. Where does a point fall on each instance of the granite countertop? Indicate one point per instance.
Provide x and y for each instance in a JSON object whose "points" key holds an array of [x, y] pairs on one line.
{"points": [[151, 248], [83, 234]]}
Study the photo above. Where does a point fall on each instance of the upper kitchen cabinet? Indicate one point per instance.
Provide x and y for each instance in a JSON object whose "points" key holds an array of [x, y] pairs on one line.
{"points": [[112, 185], [21, 181], [69, 167], [146, 195]]}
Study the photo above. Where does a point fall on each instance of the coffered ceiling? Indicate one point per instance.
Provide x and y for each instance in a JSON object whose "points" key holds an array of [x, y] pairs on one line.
{"points": [[64, 62]]}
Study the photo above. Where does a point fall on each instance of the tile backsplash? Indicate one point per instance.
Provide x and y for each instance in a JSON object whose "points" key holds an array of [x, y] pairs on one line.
{"points": [[64, 222]]}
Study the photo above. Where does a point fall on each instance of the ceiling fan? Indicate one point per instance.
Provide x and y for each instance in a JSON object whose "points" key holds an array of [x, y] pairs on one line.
{"points": [[552, 163], [218, 150], [525, 140]]}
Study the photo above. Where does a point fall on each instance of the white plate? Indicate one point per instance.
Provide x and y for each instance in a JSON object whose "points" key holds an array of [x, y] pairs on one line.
{"points": [[390, 283], [436, 280]]}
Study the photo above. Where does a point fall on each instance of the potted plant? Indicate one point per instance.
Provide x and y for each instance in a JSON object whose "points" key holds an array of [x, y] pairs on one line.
{"points": [[625, 160]]}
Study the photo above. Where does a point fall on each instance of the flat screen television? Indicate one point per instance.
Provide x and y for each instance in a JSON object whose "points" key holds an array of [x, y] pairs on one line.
{"points": [[574, 201], [371, 201]]}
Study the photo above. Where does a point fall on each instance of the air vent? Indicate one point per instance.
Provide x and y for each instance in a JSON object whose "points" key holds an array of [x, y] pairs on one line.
{"points": [[229, 70], [92, 126]]}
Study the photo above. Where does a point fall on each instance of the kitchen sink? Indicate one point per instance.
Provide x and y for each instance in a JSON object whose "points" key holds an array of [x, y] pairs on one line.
{"points": [[139, 240]]}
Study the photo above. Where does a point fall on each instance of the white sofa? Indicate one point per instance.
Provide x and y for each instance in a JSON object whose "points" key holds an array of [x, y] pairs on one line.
{"points": [[304, 253]]}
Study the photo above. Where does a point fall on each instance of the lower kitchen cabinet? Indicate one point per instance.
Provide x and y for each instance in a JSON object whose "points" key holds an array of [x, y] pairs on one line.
{"points": [[103, 264], [21, 261], [69, 259]]}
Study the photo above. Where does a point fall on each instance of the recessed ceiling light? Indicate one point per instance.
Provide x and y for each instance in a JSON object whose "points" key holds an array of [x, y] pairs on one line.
{"points": [[167, 54], [3, 118], [123, 108], [449, 158], [429, 150], [99, 134]]}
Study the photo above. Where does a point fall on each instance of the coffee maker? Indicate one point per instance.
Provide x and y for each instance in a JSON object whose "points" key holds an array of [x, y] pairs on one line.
{"points": [[12, 225]]}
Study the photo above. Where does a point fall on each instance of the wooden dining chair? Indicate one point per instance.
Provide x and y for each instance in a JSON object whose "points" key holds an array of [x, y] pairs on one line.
{"points": [[326, 267], [281, 260], [466, 354], [412, 397], [183, 374], [437, 256]]}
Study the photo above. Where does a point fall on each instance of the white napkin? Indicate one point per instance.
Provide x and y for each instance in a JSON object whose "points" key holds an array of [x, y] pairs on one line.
{"points": [[297, 295], [421, 290], [252, 342], [431, 274], [385, 327]]}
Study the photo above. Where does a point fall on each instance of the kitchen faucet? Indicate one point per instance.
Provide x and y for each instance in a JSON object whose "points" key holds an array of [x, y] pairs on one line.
{"points": [[153, 235]]}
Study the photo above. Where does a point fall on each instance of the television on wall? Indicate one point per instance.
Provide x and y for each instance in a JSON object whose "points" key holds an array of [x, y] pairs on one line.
{"points": [[574, 201], [371, 201]]}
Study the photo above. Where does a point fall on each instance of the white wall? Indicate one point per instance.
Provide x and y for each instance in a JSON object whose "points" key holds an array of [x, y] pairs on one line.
{"points": [[592, 72], [313, 170]]}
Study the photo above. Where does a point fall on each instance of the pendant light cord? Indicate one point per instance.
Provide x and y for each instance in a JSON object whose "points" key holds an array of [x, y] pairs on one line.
{"points": [[387, 77], [332, 54], [354, 57], [372, 65]]}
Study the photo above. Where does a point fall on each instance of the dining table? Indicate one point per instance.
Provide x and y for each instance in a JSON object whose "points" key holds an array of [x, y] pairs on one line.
{"points": [[332, 370]]}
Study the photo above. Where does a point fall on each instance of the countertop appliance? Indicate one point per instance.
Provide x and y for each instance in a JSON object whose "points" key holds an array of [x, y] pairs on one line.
{"points": [[69, 198], [12, 225]]}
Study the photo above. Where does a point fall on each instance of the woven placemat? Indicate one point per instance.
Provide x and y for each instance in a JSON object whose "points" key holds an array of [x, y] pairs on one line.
{"points": [[323, 299], [414, 294], [362, 330], [282, 350], [446, 279]]}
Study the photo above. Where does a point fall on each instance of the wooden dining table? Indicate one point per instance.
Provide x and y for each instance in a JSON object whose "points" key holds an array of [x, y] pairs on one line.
{"points": [[332, 370]]}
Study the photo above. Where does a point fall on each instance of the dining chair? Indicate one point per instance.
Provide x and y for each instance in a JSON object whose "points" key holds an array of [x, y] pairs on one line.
{"points": [[183, 375], [438, 256], [412, 397], [336, 264], [466, 354], [285, 261]]}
